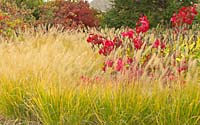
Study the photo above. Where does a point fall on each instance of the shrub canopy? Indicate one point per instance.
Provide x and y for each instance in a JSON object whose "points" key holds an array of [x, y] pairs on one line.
{"points": [[126, 12]]}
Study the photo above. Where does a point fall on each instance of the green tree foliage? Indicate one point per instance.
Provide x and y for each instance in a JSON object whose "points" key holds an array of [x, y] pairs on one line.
{"points": [[126, 12]]}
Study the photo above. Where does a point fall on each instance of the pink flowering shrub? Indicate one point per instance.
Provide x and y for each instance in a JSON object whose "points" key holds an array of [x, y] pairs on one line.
{"points": [[135, 53]]}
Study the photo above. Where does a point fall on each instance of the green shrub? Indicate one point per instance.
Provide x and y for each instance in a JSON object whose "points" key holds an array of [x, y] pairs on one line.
{"points": [[197, 19], [126, 12]]}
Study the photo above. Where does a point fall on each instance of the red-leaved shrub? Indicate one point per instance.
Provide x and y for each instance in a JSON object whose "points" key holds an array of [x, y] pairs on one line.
{"points": [[70, 15]]}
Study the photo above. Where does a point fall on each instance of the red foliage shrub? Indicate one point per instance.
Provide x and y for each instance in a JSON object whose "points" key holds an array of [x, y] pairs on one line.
{"points": [[70, 15], [74, 14]]}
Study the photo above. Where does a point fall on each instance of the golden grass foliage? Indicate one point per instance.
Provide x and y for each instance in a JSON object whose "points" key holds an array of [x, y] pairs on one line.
{"points": [[39, 81], [64, 55]]}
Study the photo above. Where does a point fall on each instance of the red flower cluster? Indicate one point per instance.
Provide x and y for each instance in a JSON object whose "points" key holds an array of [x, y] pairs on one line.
{"points": [[160, 44], [127, 60], [129, 34], [95, 39], [137, 43], [142, 25], [105, 46], [136, 39], [186, 15]]}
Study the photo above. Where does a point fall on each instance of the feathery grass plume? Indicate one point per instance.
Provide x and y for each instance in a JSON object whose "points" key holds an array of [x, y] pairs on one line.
{"points": [[51, 78]]}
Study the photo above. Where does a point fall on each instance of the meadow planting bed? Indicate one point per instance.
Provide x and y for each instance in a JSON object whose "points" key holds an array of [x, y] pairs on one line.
{"points": [[105, 76]]}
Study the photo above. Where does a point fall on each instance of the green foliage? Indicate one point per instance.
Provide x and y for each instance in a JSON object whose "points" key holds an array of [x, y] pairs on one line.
{"points": [[126, 12], [197, 19], [101, 104]]}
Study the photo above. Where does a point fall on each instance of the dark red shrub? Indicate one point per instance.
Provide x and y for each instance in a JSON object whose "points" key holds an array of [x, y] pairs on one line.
{"points": [[70, 15]]}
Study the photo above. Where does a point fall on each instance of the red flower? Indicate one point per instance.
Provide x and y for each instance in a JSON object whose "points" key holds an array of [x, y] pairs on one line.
{"points": [[187, 21], [193, 9], [185, 15], [174, 18], [129, 34], [107, 48], [156, 44], [142, 25], [95, 39], [163, 45], [138, 43], [120, 64]]}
